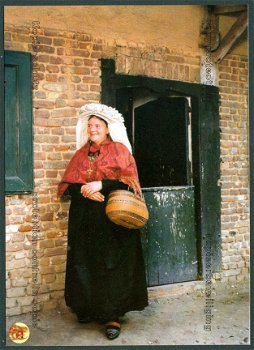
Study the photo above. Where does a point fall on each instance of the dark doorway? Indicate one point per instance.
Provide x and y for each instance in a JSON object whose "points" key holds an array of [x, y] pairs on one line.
{"points": [[161, 142]]}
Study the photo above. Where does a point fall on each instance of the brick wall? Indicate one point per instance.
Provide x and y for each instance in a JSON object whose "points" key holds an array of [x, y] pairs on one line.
{"points": [[68, 72], [233, 83]]}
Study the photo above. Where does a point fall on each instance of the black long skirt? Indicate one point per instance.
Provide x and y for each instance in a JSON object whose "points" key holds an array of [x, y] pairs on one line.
{"points": [[105, 274]]}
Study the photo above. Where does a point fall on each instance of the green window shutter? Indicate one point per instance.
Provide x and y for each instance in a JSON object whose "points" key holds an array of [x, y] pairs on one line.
{"points": [[18, 122]]}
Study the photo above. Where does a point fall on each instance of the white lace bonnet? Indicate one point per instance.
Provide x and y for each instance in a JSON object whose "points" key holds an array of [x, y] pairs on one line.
{"points": [[115, 120]]}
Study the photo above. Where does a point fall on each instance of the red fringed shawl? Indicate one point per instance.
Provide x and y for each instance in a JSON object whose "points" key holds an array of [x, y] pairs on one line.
{"points": [[114, 162]]}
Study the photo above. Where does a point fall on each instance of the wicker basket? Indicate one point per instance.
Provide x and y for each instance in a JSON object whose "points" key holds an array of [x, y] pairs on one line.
{"points": [[127, 209]]}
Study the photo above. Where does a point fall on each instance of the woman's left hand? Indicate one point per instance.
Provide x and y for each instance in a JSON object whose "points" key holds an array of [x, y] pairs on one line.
{"points": [[91, 187], [97, 196]]}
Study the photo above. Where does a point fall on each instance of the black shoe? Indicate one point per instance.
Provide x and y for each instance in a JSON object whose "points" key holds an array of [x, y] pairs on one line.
{"points": [[112, 330]]}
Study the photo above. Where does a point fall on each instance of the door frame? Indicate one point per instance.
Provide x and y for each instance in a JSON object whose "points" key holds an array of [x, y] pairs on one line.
{"points": [[205, 152]]}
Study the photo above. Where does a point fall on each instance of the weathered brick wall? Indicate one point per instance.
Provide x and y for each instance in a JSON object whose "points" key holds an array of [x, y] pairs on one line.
{"points": [[68, 72], [233, 83]]}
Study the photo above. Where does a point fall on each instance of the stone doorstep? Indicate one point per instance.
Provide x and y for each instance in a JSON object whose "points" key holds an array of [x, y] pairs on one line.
{"points": [[175, 289]]}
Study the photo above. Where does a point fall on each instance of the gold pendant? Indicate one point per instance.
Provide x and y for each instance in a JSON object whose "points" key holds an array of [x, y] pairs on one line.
{"points": [[89, 172], [91, 159]]}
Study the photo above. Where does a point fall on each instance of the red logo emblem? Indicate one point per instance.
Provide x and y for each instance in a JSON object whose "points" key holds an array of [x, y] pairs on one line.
{"points": [[19, 332]]}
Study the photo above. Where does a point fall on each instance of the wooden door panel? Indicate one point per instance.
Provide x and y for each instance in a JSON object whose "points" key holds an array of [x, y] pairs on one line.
{"points": [[169, 239]]}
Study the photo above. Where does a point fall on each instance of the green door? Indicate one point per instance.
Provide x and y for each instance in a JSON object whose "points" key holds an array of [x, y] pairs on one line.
{"points": [[169, 238]]}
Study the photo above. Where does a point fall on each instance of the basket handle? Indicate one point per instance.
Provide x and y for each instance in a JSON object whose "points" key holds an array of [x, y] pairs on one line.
{"points": [[134, 185]]}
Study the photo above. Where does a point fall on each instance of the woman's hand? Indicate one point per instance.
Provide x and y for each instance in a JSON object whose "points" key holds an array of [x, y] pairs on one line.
{"points": [[91, 187], [97, 196], [91, 190]]}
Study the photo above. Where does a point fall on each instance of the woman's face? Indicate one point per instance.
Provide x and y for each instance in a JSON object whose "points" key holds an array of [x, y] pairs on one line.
{"points": [[97, 130]]}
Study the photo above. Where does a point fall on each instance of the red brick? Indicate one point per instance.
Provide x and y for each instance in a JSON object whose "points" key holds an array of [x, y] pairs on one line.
{"points": [[19, 210], [85, 37], [41, 113], [49, 278], [62, 147], [54, 156], [64, 113], [39, 174], [40, 94], [51, 78], [76, 52], [55, 60], [91, 80], [71, 43], [55, 87], [47, 122], [46, 244], [67, 156], [47, 217], [97, 47], [63, 225], [70, 131], [60, 51], [89, 96], [58, 42], [47, 49], [43, 58], [25, 228], [96, 88], [82, 87], [16, 220], [14, 247], [44, 40], [96, 54], [67, 138], [63, 79], [78, 62], [44, 104], [77, 104], [60, 164], [89, 63], [47, 269], [55, 251], [68, 60], [61, 242], [233, 64], [85, 46], [52, 68], [57, 131], [18, 237], [51, 174], [46, 139], [75, 79], [80, 70], [21, 38]]}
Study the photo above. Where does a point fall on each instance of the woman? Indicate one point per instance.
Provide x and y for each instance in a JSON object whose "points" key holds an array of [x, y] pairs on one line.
{"points": [[105, 275]]}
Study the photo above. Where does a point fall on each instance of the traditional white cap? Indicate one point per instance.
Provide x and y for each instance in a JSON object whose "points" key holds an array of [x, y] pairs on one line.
{"points": [[115, 120]]}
